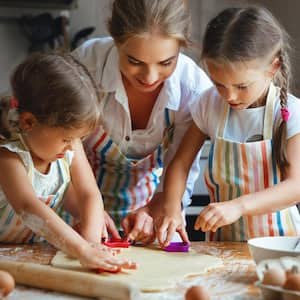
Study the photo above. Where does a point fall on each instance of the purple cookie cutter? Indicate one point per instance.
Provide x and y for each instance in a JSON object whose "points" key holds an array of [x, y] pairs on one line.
{"points": [[177, 247]]}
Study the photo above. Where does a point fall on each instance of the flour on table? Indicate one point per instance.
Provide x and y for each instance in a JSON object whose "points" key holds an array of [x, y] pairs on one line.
{"points": [[157, 270]]}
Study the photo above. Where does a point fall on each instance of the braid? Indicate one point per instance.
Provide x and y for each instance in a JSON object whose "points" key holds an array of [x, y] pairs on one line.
{"points": [[285, 78], [280, 136], [4, 124], [9, 118], [86, 71]]}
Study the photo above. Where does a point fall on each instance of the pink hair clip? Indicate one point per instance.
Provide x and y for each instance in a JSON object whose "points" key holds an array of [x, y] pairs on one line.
{"points": [[14, 103], [285, 114]]}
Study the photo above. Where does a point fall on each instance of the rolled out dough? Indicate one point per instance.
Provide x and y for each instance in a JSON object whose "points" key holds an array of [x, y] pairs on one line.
{"points": [[157, 270]]}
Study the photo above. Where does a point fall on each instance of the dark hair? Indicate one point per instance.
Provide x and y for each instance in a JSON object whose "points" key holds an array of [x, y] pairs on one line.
{"points": [[137, 17], [245, 34], [56, 89]]}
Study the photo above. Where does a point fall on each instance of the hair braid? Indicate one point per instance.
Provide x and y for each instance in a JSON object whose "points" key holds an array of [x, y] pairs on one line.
{"points": [[86, 71], [280, 136], [5, 132]]}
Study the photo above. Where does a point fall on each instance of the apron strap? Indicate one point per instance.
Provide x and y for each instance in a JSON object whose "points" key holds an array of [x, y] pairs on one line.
{"points": [[268, 117]]}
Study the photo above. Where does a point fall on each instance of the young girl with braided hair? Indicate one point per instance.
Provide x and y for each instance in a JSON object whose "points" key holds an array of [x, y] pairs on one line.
{"points": [[54, 104], [253, 122]]}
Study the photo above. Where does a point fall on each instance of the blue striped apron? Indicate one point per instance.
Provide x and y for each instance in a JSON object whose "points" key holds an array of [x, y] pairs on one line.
{"points": [[125, 183]]}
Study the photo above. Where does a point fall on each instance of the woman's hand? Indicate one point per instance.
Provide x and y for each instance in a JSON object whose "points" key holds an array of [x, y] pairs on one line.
{"points": [[166, 224], [216, 215], [138, 226], [167, 219]]}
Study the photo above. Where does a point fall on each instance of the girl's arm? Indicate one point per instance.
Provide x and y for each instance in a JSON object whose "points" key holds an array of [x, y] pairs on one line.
{"points": [[44, 221], [167, 216], [84, 201], [89, 200], [282, 195]]}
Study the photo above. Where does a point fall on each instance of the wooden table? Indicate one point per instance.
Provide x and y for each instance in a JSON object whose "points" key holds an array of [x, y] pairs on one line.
{"points": [[235, 280]]}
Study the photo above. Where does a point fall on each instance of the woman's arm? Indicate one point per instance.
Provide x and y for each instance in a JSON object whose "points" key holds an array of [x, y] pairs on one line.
{"points": [[44, 221], [282, 195]]}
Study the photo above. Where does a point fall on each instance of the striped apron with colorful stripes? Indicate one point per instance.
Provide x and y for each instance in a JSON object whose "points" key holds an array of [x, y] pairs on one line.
{"points": [[125, 183], [12, 228], [236, 169]]}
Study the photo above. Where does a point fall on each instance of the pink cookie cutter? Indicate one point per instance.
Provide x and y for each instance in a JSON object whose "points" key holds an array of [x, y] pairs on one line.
{"points": [[117, 243]]}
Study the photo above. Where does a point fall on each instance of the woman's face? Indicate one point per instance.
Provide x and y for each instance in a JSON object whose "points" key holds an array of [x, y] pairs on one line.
{"points": [[147, 61]]}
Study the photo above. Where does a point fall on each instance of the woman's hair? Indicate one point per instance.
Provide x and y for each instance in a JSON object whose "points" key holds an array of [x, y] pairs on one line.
{"points": [[248, 34], [56, 89], [138, 17]]}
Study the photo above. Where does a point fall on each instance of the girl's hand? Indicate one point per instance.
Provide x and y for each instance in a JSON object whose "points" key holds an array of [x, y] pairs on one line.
{"points": [[216, 215], [101, 257], [111, 227], [94, 230]]}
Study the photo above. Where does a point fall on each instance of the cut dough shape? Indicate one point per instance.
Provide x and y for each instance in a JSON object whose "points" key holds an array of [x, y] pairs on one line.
{"points": [[157, 270]]}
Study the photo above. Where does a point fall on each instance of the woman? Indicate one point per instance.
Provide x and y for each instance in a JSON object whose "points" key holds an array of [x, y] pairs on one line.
{"points": [[147, 87]]}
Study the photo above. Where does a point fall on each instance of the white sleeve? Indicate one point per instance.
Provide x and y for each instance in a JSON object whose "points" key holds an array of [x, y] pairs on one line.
{"points": [[205, 112], [93, 54], [183, 121]]}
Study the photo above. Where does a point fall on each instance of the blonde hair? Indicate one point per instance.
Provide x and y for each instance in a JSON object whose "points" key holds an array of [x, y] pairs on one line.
{"points": [[247, 34], [138, 17]]}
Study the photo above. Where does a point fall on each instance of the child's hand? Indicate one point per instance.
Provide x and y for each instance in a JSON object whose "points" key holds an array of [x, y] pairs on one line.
{"points": [[111, 227], [103, 258], [216, 215]]}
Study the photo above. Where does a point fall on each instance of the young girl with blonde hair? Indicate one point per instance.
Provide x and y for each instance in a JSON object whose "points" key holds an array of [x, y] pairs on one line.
{"points": [[53, 105]]}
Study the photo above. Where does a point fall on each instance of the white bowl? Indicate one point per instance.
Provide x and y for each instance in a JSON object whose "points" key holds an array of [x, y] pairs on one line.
{"points": [[272, 247]]}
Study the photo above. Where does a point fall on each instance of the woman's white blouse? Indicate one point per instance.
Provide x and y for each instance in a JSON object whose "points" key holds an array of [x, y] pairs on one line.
{"points": [[180, 90]]}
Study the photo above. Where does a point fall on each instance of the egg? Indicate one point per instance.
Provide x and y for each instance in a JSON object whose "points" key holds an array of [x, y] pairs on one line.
{"points": [[197, 293], [293, 280], [7, 283], [274, 276]]}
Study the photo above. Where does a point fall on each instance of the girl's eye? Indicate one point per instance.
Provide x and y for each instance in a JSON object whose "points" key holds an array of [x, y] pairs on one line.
{"points": [[67, 141], [219, 86]]}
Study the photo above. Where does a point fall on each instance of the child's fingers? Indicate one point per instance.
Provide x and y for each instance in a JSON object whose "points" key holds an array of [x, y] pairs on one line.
{"points": [[121, 263], [104, 235], [201, 221], [213, 221], [111, 227], [103, 248]]}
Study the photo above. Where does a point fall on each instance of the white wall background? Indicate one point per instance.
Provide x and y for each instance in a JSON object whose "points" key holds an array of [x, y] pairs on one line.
{"points": [[14, 46]]}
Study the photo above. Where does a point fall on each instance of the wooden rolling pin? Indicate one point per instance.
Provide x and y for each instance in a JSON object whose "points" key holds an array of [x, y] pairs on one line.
{"points": [[74, 282]]}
